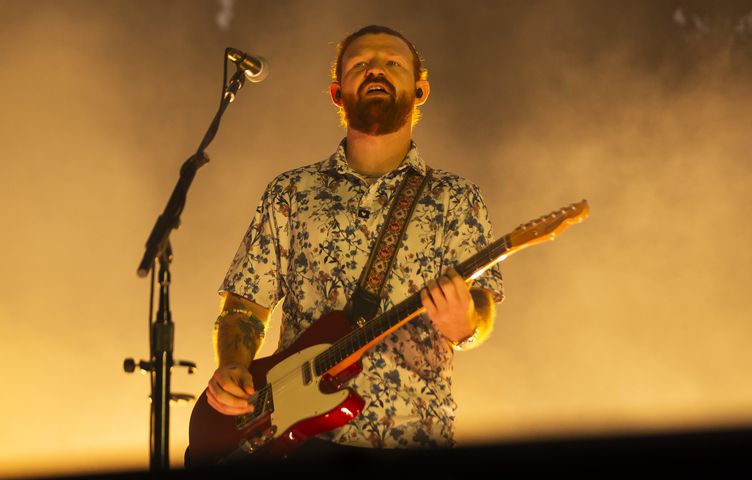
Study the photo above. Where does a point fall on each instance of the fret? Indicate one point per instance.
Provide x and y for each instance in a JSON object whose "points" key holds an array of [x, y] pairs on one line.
{"points": [[393, 319], [483, 258], [371, 330], [359, 339]]}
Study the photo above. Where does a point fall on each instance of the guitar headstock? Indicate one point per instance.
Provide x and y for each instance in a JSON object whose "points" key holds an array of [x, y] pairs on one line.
{"points": [[548, 226]]}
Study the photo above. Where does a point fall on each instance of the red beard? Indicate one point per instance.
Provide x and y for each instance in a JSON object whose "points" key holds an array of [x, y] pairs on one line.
{"points": [[378, 115]]}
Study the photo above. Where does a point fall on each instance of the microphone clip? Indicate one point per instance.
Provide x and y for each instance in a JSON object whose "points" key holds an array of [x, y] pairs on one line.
{"points": [[236, 83]]}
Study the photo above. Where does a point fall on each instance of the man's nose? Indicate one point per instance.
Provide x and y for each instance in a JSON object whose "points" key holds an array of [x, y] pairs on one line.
{"points": [[375, 67]]}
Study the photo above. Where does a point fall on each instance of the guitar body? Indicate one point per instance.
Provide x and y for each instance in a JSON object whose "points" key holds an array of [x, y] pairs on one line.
{"points": [[294, 405]]}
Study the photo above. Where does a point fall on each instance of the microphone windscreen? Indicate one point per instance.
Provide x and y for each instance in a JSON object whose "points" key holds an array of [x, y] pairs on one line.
{"points": [[261, 75]]}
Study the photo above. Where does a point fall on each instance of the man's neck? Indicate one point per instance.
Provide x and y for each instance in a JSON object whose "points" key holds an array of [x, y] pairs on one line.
{"points": [[372, 155]]}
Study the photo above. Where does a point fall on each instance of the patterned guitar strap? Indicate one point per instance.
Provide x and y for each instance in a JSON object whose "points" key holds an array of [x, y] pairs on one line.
{"points": [[364, 303]]}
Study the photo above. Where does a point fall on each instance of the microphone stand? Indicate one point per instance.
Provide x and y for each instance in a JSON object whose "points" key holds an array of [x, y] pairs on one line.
{"points": [[162, 329]]}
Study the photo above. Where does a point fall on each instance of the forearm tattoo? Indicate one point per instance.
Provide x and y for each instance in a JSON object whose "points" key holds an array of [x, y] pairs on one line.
{"points": [[248, 335], [243, 331]]}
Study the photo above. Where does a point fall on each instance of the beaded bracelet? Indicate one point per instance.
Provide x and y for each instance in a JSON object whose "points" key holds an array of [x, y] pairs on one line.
{"points": [[250, 316]]}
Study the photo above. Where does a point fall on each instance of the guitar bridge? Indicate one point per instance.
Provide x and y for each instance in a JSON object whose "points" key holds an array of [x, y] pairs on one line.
{"points": [[242, 421], [263, 404]]}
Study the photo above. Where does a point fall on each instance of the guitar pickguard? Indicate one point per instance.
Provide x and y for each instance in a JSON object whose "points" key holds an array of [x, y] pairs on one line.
{"points": [[296, 396]]}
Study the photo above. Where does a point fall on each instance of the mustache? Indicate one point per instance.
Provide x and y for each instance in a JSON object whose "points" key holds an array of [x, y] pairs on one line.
{"points": [[381, 81]]}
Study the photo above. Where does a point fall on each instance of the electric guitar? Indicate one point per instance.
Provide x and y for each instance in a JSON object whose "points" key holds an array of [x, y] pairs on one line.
{"points": [[299, 391]]}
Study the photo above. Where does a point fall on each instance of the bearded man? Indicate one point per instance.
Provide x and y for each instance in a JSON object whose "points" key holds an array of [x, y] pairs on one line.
{"points": [[313, 232]]}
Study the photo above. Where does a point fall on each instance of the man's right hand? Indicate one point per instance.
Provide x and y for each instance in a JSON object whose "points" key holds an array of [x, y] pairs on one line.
{"points": [[229, 389]]}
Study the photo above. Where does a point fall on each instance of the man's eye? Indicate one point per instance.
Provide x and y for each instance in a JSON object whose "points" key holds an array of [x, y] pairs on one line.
{"points": [[359, 65], [393, 63]]}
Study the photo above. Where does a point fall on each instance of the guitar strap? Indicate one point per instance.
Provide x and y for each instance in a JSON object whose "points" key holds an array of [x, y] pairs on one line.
{"points": [[364, 303]]}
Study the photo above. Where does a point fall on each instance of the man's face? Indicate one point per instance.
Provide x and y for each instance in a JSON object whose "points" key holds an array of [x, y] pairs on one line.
{"points": [[378, 84]]}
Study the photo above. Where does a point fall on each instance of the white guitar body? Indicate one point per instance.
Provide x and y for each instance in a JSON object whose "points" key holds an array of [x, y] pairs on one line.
{"points": [[296, 399]]}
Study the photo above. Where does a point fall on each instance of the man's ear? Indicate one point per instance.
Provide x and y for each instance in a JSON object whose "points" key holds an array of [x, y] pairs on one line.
{"points": [[335, 91], [425, 88]]}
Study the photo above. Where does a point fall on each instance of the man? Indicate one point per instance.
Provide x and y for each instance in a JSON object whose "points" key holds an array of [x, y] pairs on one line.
{"points": [[312, 235]]}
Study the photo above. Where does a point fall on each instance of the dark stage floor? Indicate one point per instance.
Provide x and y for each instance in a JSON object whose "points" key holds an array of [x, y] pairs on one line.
{"points": [[709, 451]]}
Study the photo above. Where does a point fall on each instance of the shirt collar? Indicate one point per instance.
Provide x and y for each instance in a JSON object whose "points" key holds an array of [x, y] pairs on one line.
{"points": [[338, 160]]}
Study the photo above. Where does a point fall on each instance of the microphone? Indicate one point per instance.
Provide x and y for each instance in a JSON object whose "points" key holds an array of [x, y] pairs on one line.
{"points": [[256, 69]]}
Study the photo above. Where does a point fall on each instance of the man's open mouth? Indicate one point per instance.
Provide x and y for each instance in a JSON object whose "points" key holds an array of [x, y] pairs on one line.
{"points": [[376, 89]]}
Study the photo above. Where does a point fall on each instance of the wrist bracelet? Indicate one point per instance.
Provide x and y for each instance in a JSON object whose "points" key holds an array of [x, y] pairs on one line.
{"points": [[466, 342]]}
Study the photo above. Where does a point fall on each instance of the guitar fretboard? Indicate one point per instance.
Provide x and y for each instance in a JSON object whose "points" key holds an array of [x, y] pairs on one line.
{"points": [[381, 325]]}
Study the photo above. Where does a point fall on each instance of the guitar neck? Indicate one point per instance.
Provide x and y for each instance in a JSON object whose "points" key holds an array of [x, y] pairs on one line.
{"points": [[542, 229], [382, 325], [474, 266]]}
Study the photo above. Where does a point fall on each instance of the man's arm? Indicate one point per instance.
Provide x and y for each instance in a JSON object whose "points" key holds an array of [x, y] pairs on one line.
{"points": [[238, 333], [238, 336], [463, 315]]}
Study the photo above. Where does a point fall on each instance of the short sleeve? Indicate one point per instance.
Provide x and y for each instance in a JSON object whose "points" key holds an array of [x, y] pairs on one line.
{"points": [[256, 270], [467, 231]]}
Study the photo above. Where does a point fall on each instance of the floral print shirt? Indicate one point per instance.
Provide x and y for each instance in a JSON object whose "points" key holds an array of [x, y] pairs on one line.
{"points": [[307, 245]]}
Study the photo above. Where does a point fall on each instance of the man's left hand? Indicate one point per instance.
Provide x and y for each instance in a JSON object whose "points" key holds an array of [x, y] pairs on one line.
{"points": [[450, 306]]}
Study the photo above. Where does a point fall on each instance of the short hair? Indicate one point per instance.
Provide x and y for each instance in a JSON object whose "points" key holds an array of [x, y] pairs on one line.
{"points": [[421, 73]]}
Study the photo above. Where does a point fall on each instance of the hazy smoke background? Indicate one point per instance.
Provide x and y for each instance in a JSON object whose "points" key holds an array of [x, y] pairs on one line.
{"points": [[636, 320]]}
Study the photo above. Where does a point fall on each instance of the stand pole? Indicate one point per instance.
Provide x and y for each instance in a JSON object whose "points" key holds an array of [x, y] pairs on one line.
{"points": [[162, 330], [163, 335]]}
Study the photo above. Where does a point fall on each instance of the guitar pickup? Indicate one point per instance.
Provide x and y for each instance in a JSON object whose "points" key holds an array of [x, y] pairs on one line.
{"points": [[307, 373]]}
